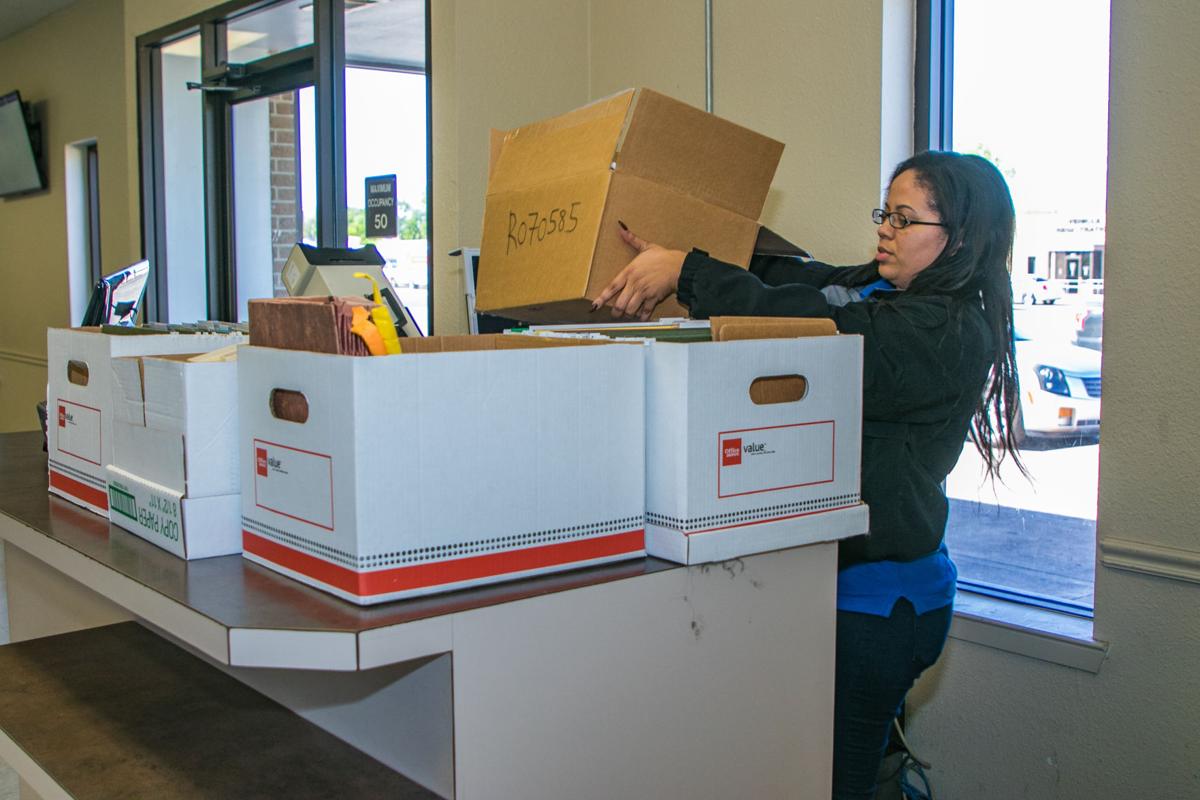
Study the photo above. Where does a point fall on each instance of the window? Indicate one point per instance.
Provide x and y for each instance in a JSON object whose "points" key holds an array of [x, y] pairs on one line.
{"points": [[250, 115], [385, 134], [183, 291], [82, 162], [1024, 84]]}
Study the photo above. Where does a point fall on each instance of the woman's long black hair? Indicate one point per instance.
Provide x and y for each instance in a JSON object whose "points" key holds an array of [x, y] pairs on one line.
{"points": [[973, 201]]}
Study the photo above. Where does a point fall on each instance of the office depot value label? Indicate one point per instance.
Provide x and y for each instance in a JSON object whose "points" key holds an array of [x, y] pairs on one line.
{"points": [[775, 458], [294, 483]]}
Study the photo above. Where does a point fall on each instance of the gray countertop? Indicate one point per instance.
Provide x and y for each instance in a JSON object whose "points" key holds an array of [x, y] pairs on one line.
{"points": [[231, 599]]}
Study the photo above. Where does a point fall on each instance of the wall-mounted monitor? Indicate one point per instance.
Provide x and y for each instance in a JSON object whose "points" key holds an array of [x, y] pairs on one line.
{"points": [[20, 148]]}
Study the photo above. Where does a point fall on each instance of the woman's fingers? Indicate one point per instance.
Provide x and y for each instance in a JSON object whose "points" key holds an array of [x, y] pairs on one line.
{"points": [[619, 282], [648, 307], [624, 299], [639, 298], [610, 291], [632, 239], [647, 280]]}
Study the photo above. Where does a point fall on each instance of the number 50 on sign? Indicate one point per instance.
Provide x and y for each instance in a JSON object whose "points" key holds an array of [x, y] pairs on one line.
{"points": [[381, 207]]}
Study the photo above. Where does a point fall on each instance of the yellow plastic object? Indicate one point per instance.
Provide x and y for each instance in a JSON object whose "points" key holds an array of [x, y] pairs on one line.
{"points": [[381, 318], [361, 326]]}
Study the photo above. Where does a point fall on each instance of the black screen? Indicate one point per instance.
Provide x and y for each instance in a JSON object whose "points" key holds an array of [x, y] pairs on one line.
{"points": [[18, 164]]}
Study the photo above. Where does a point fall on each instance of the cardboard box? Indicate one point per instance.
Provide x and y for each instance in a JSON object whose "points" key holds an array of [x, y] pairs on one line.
{"points": [[173, 479], [752, 445], [676, 175], [463, 461], [80, 406]]}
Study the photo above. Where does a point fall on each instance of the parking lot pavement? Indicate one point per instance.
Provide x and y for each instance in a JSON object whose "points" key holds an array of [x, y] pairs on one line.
{"points": [[1030, 552], [1034, 536]]}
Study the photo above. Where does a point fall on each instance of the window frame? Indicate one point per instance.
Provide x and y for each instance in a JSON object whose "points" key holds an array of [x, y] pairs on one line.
{"points": [[933, 129], [322, 65], [91, 159], [933, 74]]}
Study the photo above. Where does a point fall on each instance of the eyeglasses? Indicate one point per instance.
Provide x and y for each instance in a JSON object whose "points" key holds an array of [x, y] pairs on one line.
{"points": [[898, 220]]}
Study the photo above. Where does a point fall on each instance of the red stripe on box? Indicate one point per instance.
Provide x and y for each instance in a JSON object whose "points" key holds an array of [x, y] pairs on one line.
{"points": [[78, 490], [419, 576]]}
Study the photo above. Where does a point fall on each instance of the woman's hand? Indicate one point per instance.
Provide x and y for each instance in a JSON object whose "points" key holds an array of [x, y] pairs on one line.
{"points": [[650, 278]]}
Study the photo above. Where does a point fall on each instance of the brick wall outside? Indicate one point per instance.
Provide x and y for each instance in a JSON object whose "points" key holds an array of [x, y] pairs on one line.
{"points": [[285, 203]]}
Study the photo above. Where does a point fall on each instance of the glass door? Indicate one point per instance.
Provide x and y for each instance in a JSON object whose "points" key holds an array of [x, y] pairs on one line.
{"points": [[385, 135], [268, 191], [246, 112], [254, 117], [186, 291]]}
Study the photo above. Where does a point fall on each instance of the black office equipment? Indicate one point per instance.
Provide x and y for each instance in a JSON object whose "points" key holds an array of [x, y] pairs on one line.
{"points": [[329, 271], [478, 322], [115, 298]]}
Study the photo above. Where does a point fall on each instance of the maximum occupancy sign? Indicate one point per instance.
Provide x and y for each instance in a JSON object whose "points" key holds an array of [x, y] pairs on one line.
{"points": [[381, 207]]}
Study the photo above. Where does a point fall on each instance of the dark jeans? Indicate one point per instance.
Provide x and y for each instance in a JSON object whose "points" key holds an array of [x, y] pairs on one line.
{"points": [[878, 661]]}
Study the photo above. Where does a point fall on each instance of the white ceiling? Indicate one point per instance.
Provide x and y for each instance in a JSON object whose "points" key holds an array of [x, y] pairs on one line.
{"points": [[17, 15]]}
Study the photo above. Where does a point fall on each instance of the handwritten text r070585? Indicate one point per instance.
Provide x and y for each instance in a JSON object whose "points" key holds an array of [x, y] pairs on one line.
{"points": [[534, 227]]}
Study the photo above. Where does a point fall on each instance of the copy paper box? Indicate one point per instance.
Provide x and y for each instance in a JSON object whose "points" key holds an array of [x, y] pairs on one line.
{"points": [[676, 175], [173, 479], [752, 445], [79, 402], [462, 461], [189, 527]]}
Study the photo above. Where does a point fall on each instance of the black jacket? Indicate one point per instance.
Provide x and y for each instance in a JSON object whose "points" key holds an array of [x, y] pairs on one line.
{"points": [[925, 363]]}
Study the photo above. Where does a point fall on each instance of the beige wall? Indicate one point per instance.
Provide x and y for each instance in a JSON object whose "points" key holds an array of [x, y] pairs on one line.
{"points": [[660, 45], [1153, 180], [807, 74], [494, 65], [70, 68], [998, 725]]}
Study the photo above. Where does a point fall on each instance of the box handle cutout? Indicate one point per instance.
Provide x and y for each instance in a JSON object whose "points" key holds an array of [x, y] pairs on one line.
{"points": [[77, 373], [289, 405], [778, 389]]}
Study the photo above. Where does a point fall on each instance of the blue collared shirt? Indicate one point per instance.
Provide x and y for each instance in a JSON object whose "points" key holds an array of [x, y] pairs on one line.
{"points": [[875, 586]]}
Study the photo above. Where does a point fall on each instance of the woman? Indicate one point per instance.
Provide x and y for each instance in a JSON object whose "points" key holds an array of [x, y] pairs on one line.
{"points": [[935, 312]]}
